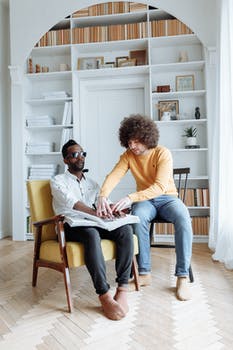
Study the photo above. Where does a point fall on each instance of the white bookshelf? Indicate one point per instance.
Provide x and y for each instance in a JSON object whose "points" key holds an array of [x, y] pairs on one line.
{"points": [[161, 68]]}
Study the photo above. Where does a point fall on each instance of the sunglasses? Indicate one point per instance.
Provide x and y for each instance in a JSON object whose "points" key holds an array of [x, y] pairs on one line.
{"points": [[75, 155]]}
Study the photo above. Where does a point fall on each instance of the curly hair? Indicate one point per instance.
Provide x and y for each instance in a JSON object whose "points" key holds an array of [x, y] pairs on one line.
{"points": [[140, 128]]}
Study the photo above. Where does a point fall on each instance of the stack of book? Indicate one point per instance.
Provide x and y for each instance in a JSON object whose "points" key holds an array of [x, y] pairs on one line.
{"points": [[42, 147], [55, 37], [67, 114], [42, 120], [42, 171], [55, 95]]}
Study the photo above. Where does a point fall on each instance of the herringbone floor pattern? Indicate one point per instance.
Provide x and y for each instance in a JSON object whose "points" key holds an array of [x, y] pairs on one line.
{"points": [[36, 318]]}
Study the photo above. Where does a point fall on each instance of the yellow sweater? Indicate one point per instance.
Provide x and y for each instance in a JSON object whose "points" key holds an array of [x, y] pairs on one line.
{"points": [[152, 172]]}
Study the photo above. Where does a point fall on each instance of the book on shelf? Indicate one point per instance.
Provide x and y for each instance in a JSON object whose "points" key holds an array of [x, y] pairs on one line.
{"points": [[42, 147], [39, 120], [67, 114], [67, 134], [42, 171], [55, 94], [83, 219]]}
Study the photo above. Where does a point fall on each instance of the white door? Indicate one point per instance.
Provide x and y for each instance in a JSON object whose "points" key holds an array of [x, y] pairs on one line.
{"points": [[102, 110]]}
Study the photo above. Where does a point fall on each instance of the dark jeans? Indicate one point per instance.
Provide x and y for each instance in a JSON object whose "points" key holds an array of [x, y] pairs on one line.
{"points": [[94, 260]]}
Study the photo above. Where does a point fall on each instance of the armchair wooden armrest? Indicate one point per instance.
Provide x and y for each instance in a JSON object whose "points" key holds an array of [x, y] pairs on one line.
{"points": [[53, 219]]}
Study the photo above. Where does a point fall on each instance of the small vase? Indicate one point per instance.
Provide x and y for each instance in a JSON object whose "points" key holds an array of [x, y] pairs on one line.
{"points": [[191, 141]]}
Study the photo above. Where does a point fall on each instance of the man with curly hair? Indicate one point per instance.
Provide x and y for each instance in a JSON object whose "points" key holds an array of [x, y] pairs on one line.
{"points": [[152, 168]]}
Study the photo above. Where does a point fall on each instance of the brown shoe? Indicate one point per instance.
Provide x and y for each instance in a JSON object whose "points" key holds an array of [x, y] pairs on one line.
{"points": [[182, 289], [121, 297], [144, 280], [111, 308]]}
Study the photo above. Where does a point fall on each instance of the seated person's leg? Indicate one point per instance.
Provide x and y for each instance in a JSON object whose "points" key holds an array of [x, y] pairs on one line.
{"points": [[146, 212], [175, 211], [95, 263], [123, 237]]}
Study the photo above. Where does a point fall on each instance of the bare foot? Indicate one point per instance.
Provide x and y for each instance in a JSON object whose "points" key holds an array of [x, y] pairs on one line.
{"points": [[144, 280], [121, 297], [182, 289], [111, 308]]}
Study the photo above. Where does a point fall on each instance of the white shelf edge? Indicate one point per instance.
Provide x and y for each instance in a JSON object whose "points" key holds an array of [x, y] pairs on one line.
{"points": [[43, 154], [49, 75], [47, 100], [189, 149], [181, 121], [49, 127], [198, 208], [166, 95], [170, 238]]}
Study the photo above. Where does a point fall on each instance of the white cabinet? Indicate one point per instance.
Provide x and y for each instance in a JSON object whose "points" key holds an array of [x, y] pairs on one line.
{"points": [[162, 67]]}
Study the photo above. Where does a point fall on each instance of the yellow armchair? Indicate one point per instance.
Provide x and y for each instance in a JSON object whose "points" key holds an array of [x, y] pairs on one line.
{"points": [[51, 249]]}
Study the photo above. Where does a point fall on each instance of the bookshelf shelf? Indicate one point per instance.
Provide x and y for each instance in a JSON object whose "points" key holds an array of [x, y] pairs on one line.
{"points": [[177, 94], [161, 68]]}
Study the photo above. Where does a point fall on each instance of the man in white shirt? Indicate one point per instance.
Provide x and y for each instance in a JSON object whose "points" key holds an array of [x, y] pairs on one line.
{"points": [[73, 190]]}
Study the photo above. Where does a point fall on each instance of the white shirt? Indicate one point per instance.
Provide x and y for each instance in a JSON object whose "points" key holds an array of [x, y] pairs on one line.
{"points": [[67, 190]]}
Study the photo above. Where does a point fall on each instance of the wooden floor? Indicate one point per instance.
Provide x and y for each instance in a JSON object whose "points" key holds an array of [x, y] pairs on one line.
{"points": [[36, 318]]}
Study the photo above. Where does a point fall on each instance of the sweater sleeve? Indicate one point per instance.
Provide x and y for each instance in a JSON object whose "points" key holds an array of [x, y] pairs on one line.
{"points": [[117, 173], [163, 181]]}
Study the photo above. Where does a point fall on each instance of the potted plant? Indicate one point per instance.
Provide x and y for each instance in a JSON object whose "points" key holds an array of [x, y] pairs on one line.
{"points": [[191, 136]]}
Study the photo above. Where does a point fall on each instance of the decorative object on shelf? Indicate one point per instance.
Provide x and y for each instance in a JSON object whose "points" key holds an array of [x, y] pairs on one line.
{"points": [[191, 137], [171, 106], [108, 65], [121, 59], [127, 63], [140, 55], [163, 88], [185, 82], [90, 62], [63, 67], [183, 56], [166, 116], [197, 113], [45, 69], [30, 66], [38, 68]]}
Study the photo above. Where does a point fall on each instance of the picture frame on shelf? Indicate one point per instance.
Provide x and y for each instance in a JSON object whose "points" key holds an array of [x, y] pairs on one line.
{"points": [[121, 59], [170, 106], [108, 65], [140, 55], [185, 82], [89, 62], [128, 63]]}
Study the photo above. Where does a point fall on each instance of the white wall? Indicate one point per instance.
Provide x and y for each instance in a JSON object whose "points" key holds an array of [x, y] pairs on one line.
{"points": [[36, 17], [5, 143]]}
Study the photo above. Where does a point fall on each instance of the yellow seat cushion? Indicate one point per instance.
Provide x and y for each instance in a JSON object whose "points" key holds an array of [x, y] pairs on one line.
{"points": [[50, 251]]}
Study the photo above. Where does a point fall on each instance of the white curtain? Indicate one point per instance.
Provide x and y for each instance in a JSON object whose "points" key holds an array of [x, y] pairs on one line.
{"points": [[221, 228]]}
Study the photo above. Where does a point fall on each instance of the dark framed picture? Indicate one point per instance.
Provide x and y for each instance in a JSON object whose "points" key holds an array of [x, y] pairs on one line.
{"points": [[168, 106], [121, 59], [140, 55], [185, 82]]}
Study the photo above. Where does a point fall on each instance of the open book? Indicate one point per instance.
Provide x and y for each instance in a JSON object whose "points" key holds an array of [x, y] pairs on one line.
{"points": [[83, 219]]}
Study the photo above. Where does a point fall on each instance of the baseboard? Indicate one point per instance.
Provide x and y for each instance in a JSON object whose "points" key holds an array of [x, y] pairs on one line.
{"points": [[4, 235], [170, 239]]}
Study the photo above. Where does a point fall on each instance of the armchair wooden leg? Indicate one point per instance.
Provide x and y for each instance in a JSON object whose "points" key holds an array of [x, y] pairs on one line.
{"points": [[34, 274], [135, 273], [66, 274]]}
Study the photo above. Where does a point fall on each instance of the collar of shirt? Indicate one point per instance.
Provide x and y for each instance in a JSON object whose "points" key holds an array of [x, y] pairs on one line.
{"points": [[74, 177]]}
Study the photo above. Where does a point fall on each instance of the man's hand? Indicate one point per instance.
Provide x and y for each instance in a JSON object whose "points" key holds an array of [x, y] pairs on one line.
{"points": [[122, 204], [103, 208]]}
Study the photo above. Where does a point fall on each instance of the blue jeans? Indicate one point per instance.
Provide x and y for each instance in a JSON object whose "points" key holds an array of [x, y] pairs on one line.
{"points": [[168, 208]]}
